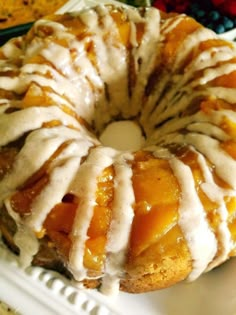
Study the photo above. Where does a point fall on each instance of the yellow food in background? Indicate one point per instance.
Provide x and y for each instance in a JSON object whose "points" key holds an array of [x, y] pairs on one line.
{"points": [[14, 12]]}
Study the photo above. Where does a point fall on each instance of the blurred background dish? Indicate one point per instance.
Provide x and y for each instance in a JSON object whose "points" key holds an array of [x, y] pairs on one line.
{"points": [[15, 12]]}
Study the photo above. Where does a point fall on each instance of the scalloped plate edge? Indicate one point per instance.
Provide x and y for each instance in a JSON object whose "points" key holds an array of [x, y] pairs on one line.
{"points": [[43, 290]]}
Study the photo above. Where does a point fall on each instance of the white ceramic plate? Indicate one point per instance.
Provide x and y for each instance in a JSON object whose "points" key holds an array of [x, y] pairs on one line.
{"points": [[40, 292]]}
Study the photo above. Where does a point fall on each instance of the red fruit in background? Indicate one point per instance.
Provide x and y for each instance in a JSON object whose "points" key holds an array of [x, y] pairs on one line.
{"points": [[227, 7], [160, 5], [179, 6]]}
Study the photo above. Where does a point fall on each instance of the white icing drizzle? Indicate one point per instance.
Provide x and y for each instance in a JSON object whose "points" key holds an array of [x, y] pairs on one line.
{"points": [[49, 140], [144, 53], [190, 43], [211, 74], [76, 85], [11, 50], [4, 105], [30, 119], [227, 94], [169, 105], [200, 239], [59, 29], [60, 179], [224, 164], [217, 194], [24, 238], [209, 129], [84, 187], [120, 227], [170, 24], [28, 244], [209, 58], [108, 52]]}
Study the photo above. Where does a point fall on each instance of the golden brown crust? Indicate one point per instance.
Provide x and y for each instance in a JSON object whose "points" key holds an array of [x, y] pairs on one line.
{"points": [[161, 265], [150, 271]]}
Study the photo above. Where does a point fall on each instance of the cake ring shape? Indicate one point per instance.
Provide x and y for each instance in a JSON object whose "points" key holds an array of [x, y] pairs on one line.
{"points": [[131, 220]]}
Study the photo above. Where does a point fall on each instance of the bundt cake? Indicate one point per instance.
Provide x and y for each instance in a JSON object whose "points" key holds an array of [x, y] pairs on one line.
{"points": [[134, 220]]}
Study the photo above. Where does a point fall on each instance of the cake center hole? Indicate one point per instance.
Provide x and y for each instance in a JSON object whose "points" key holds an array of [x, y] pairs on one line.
{"points": [[123, 135]]}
